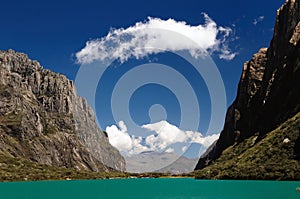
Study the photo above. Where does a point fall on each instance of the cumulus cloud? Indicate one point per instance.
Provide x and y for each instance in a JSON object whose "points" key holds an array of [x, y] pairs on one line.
{"points": [[168, 134], [126, 144], [156, 35], [258, 20], [164, 136]]}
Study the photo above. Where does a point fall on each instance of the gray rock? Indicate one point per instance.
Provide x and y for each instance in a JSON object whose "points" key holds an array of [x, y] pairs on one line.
{"points": [[269, 88], [43, 119]]}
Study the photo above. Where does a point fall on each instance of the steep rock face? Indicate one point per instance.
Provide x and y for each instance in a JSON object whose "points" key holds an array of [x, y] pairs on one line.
{"points": [[269, 88], [43, 119]]}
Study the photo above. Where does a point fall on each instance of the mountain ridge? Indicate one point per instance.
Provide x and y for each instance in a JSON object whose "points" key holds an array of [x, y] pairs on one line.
{"points": [[164, 163], [269, 88], [42, 119]]}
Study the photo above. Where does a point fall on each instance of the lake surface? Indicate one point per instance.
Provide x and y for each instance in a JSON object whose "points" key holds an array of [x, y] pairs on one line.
{"points": [[150, 188]]}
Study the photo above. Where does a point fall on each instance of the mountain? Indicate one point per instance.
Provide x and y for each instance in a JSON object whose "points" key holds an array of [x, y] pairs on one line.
{"points": [[273, 158], [257, 124], [44, 121], [159, 162]]}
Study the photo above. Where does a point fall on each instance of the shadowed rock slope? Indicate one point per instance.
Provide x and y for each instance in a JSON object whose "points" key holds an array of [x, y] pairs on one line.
{"points": [[268, 95], [44, 121]]}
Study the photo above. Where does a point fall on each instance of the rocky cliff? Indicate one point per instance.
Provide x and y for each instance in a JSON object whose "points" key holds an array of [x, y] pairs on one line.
{"points": [[268, 91], [43, 120]]}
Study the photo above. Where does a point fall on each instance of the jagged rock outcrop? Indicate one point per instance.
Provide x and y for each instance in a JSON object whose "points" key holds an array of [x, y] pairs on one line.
{"points": [[269, 88], [42, 119]]}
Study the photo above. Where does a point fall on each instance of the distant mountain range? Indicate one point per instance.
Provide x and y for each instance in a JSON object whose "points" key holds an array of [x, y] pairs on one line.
{"points": [[159, 162], [259, 140]]}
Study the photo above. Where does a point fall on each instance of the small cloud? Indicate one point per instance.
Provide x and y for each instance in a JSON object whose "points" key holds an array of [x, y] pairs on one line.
{"points": [[156, 36], [226, 54], [258, 20]]}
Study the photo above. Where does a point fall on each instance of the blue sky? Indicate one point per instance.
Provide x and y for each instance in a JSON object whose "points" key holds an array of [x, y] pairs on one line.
{"points": [[52, 32]]}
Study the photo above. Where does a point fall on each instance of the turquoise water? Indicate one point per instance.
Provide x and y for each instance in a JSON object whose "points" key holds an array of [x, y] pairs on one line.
{"points": [[150, 188]]}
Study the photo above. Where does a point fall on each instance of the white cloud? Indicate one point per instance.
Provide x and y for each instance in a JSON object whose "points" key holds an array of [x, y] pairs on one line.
{"points": [[126, 144], [157, 35], [258, 20], [168, 134], [204, 141], [226, 54], [119, 138], [164, 136]]}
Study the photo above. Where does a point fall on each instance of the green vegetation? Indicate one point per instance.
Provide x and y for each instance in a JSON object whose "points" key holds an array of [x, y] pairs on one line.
{"points": [[17, 169], [11, 119], [161, 175], [272, 157], [49, 130]]}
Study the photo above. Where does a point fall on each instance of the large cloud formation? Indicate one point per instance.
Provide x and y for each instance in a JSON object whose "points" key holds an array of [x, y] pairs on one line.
{"points": [[164, 136], [168, 134], [155, 36]]}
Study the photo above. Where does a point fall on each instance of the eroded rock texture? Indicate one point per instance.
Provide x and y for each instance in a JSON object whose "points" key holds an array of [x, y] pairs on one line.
{"points": [[43, 119]]}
